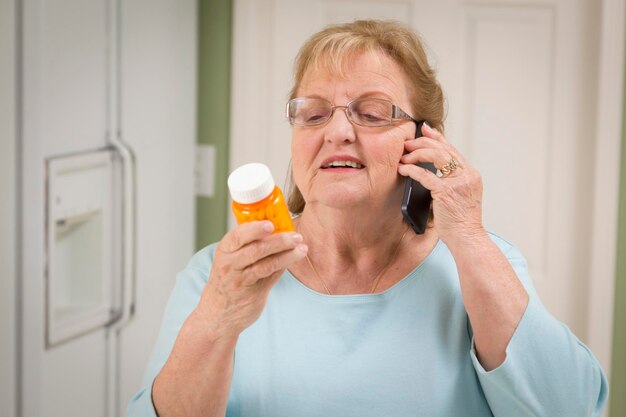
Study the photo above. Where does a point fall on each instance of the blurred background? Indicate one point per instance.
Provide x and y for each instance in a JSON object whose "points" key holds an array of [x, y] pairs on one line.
{"points": [[120, 121]]}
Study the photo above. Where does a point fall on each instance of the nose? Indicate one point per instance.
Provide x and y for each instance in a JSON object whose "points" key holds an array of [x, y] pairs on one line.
{"points": [[340, 128]]}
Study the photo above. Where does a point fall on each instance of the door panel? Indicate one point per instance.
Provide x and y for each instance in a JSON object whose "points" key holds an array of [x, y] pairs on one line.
{"points": [[517, 78], [73, 53], [66, 110], [94, 69], [159, 122], [73, 381]]}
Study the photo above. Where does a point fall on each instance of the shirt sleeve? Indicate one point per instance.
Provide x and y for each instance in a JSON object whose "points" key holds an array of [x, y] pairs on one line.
{"points": [[547, 371], [182, 301]]}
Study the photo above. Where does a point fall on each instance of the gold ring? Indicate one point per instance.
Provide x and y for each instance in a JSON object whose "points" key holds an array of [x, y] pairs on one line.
{"points": [[449, 167]]}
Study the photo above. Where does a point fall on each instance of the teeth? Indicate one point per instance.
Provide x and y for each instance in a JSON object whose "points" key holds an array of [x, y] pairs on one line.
{"points": [[343, 164]]}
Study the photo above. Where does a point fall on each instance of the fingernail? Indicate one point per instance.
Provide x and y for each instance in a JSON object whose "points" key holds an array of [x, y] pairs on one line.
{"points": [[303, 248], [297, 237], [428, 128]]}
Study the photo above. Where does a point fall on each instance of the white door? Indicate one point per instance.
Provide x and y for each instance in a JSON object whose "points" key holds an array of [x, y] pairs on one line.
{"points": [[520, 79], [92, 71], [158, 100], [66, 109]]}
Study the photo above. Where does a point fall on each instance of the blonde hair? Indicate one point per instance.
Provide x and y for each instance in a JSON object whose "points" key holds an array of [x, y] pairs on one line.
{"points": [[332, 48]]}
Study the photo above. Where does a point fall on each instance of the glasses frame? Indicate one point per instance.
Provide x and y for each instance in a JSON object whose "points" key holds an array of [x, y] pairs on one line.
{"points": [[396, 112]]}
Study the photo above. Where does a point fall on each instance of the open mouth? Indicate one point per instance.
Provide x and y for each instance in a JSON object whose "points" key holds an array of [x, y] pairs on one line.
{"points": [[343, 164]]}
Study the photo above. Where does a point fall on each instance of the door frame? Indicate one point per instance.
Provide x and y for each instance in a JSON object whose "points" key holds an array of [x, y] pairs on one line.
{"points": [[606, 181], [9, 210]]}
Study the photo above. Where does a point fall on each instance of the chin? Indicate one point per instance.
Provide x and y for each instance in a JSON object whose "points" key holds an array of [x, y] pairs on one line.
{"points": [[343, 197], [342, 203]]}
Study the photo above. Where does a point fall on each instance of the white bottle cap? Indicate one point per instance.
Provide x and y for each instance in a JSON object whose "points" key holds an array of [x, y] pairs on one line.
{"points": [[250, 183]]}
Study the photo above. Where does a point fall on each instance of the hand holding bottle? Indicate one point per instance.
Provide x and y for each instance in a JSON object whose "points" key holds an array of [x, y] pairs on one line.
{"points": [[248, 262], [250, 259]]}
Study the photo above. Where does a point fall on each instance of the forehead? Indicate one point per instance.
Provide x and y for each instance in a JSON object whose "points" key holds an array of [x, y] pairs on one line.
{"points": [[356, 74]]}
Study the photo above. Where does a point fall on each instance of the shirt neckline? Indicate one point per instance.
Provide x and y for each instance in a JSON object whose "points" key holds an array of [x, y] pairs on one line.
{"points": [[366, 297]]}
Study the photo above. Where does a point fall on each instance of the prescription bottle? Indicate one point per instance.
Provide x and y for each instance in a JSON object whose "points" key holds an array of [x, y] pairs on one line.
{"points": [[256, 197]]}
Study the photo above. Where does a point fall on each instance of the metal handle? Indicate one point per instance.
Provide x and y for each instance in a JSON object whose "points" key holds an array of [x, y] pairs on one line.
{"points": [[114, 407], [128, 233]]}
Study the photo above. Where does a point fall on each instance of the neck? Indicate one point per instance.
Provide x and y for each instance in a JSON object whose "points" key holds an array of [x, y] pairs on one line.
{"points": [[348, 233], [351, 252]]}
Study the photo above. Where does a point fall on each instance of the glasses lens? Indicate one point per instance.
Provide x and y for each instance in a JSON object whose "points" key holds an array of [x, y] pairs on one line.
{"points": [[371, 112], [309, 111]]}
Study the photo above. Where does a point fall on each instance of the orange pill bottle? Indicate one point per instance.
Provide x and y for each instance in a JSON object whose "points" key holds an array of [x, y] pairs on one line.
{"points": [[256, 197]]}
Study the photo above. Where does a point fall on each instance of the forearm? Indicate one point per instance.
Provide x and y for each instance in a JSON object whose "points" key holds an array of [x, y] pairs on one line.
{"points": [[494, 297], [195, 380]]}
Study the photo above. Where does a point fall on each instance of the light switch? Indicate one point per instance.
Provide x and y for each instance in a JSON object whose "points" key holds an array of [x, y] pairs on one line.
{"points": [[205, 170]]}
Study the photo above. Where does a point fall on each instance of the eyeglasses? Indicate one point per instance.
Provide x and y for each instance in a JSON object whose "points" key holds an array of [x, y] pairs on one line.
{"points": [[371, 112]]}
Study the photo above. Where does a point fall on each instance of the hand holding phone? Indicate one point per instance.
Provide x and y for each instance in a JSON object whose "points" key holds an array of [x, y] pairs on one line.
{"points": [[416, 199]]}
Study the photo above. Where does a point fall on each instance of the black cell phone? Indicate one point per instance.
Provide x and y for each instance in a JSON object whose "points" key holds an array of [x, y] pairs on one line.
{"points": [[416, 199]]}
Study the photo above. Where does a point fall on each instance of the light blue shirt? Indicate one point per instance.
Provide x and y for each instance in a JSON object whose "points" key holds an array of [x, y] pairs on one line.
{"points": [[407, 351]]}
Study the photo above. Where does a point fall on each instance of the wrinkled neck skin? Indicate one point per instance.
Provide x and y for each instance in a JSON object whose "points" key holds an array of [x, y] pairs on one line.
{"points": [[349, 247]]}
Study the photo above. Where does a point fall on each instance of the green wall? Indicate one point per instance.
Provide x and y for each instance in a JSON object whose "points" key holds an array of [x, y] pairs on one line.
{"points": [[214, 52], [618, 367]]}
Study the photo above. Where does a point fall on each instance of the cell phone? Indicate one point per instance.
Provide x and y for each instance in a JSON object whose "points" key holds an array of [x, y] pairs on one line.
{"points": [[416, 199]]}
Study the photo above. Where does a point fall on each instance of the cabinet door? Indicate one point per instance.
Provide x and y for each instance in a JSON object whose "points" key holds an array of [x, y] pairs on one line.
{"points": [[67, 107]]}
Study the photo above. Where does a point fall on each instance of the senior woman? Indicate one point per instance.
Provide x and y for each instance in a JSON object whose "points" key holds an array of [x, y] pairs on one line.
{"points": [[355, 314]]}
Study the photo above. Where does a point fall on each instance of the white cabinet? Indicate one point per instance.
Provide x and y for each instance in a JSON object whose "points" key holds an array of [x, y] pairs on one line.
{"points": [[92, 281]]}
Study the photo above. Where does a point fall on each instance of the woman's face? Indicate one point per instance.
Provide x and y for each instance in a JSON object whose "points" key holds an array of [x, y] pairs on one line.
{"points": [[377, 150]]}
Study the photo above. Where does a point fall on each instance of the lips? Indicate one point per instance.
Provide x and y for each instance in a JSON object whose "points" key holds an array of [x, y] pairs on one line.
{"points": [[342, 162]]}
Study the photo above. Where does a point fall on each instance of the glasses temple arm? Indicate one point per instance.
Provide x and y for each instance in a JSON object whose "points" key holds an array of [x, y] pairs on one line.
{"points": [[398, 113]]}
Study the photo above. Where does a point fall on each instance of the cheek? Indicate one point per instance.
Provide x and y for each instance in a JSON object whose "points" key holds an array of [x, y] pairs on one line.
{"points": [[392, 150], [303, 153]]}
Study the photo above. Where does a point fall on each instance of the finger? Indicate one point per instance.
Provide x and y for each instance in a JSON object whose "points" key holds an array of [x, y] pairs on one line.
{"points": [[429, 143], [269, 282], [266, 284], [275, 264], [421, 143], [433, 133], [262, 248], [244, 234], [439, 157], [429, 180]]}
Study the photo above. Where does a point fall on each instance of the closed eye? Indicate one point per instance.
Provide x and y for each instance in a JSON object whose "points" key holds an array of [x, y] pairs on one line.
{"points": [[370, 117], [315, 117]]}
